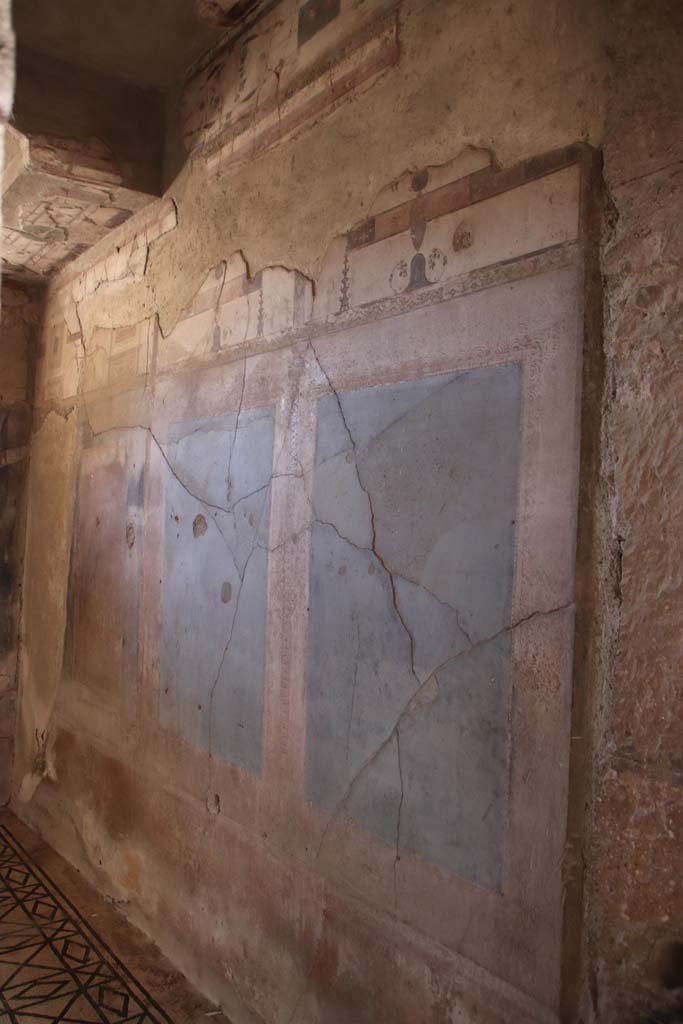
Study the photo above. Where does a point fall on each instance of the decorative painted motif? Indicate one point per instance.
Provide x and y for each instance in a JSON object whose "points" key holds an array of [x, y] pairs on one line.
{"points": [[418, 234], [231, 309], [300, 64]]}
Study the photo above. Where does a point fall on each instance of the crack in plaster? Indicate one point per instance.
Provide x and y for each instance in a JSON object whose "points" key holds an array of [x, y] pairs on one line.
{"points": [[429, 397], [241, 575], [227, 509], [391, 575], [393, 572], [366, 492], [646, 174], [62, 414], [410, 706]]}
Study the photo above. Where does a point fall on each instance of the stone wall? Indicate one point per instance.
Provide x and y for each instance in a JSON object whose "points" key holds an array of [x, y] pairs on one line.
{"points": [[634, 893], [323, 748]]}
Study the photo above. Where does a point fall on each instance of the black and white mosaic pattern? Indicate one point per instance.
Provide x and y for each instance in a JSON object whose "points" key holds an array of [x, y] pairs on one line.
{"points": [[53, 966]]}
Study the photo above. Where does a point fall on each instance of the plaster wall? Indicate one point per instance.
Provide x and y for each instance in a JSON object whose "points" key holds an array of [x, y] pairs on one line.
{"points": [[20, 326], [238, 396]]}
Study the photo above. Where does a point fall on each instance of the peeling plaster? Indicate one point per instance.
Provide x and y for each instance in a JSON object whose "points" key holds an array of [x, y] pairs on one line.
{"points": [[403, 114]]}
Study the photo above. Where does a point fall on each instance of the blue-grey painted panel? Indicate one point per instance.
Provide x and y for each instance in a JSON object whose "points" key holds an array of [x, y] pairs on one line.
{"points": [[412, 562], [216, 522]]}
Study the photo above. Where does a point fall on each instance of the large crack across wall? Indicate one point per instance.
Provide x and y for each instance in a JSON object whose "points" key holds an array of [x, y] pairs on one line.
{"points": [[413, 700], [422, 685], [391, 575], [229, 508], [395, 574], [373, 525]]}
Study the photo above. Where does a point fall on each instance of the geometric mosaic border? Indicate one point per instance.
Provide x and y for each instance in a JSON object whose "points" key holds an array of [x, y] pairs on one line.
{"points": [[53, 966]]}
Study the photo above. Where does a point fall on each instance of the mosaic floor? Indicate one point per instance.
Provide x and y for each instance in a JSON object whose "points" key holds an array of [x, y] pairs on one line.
{"points": [[53, 966]]}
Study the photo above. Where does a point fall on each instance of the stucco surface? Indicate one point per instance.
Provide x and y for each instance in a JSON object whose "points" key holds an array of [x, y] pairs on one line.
{"points": [[271, 474], [250, 290]]}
